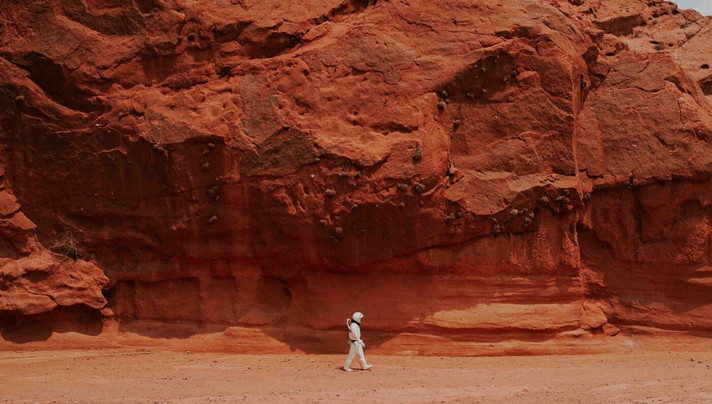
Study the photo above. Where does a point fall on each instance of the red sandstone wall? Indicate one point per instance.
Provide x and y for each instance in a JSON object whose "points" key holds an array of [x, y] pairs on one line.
{"points": [[461, 171]]}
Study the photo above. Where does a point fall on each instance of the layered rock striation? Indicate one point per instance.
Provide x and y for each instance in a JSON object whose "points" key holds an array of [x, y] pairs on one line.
{"points": [[464, 172]]}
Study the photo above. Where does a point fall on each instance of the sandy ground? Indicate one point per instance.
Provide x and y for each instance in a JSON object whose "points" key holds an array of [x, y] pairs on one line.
{"points": [[139, 375]]}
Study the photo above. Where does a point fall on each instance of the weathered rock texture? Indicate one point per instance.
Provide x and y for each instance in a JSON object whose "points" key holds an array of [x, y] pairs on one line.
{"points": [[464, 172]]}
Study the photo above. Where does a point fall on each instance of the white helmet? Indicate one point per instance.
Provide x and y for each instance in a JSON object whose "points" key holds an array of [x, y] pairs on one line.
{"points": [[357, 316]]}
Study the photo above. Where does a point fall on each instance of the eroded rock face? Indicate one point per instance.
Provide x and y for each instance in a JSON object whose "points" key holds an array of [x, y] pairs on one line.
{"points": [[471, 171], [34, 280]]}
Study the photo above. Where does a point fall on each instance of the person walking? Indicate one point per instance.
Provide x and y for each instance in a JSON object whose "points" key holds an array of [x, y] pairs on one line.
{"points": [[355, 342]]}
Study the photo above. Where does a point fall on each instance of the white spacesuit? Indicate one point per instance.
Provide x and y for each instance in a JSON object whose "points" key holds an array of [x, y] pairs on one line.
{"points": [[355, 342]]}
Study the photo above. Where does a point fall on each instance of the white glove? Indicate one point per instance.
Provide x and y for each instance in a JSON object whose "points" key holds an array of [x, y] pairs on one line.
{"points": [[362, 344]]}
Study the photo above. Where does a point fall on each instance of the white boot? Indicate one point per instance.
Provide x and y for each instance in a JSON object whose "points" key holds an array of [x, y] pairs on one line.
{"points": [[347, 369], [366, 367]]}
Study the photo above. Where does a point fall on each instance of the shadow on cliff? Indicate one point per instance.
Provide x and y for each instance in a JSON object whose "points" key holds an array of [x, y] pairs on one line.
{"points": [[20, 328], [297, 280], [428, 307], [671, 296], [308, 313]]}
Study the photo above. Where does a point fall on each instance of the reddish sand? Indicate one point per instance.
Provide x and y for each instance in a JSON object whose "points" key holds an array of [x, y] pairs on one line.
{"points": [[157, 377]]}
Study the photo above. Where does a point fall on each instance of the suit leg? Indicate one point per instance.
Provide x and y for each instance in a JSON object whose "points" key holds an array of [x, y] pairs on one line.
{"points": [[352, 353], [361, 355]]}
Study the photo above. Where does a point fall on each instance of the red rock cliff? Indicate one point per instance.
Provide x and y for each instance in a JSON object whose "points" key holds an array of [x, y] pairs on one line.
{"points": [[467, 173]]}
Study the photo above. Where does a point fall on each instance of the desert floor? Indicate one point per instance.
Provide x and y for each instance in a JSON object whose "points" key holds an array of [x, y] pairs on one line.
{"points": [[147, 376]]}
